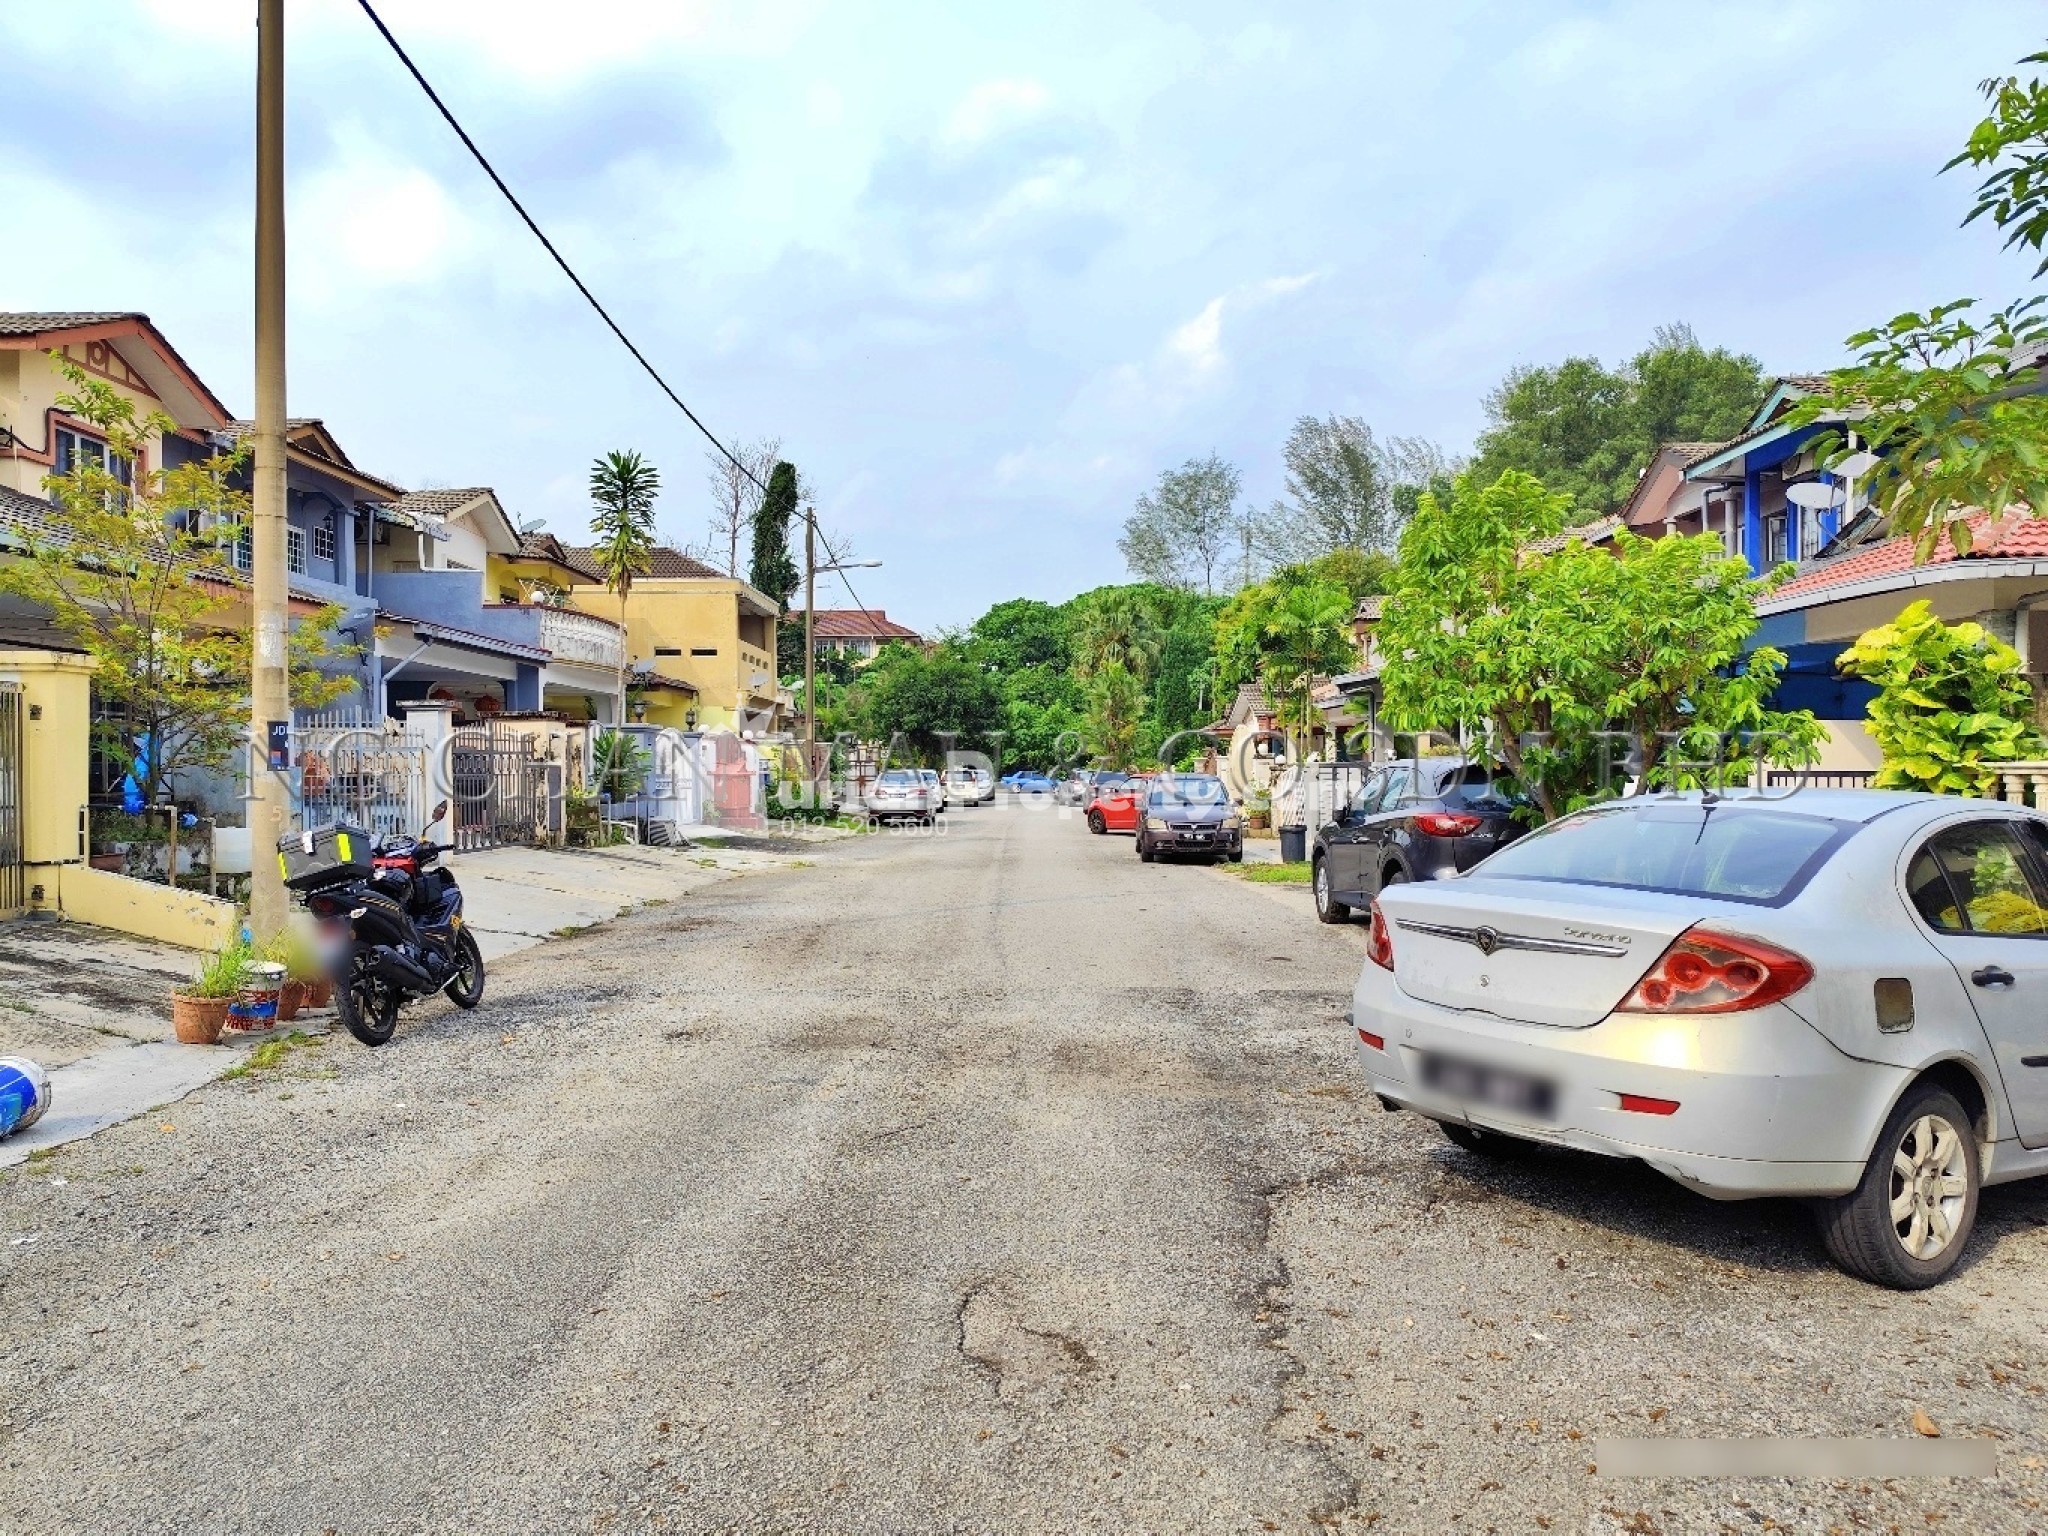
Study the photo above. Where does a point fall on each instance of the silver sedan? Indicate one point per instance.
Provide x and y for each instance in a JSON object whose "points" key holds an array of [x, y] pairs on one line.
{"points": [[900, 794], [1840, 994]]}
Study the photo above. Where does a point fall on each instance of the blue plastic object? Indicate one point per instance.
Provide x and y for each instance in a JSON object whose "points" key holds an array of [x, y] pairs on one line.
{"points": [[24, 1094]]}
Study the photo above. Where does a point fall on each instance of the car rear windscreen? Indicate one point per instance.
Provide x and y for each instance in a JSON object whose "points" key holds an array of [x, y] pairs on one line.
{"points": [[1725, 851]]}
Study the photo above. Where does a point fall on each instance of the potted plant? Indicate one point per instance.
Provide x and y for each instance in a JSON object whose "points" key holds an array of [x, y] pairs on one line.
{"points": [[199, 1010]]}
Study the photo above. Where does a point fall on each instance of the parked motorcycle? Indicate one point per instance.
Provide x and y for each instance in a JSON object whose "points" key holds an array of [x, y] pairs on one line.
{"points": [[390, 922]]}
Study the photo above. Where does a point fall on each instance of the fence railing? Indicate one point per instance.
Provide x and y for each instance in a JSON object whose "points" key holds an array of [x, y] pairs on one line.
{"points": [[373, 773], [1313, 796], [1819, 778], [2023, 783]]}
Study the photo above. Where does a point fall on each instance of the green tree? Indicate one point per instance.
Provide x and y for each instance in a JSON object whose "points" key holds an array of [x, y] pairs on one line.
{"points": [[1022, 632], [622, 490], [1115, 626], [1951, 700], [928, 699], [1587, 431], [1541, 654], [1953, 402], [1183, 530], [1306, 635], [132, 567], [1116, 714], [772, 570]]}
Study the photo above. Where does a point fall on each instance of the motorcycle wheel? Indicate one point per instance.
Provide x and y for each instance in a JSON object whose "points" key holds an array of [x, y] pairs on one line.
{"points": [[368, 1006], [467, 989]]}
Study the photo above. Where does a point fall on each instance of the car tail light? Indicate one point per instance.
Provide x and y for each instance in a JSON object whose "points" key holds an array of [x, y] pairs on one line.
{"points": [[1705, 971], [1379, 944], [1377, 1042], [1449, 823]]}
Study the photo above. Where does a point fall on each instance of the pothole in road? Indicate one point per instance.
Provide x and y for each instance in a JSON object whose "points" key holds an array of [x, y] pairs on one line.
{"points": [[1020, 1359]]}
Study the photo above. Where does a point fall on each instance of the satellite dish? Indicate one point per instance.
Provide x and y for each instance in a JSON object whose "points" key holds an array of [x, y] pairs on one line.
{"points": [[1814, 494], [1857, 465]]}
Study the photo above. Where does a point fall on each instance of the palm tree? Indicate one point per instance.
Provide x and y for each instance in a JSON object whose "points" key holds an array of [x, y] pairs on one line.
{"points": [[1118, 629], [622, 491], [1304, 636]]}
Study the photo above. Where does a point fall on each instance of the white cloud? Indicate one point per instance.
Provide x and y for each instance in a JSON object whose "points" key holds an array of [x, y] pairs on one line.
{"points": [[991, 107], [369, 219], [1198, 343]]}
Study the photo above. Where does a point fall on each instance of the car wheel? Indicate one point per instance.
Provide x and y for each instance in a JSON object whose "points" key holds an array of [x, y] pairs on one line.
{"points": [[1328, 908], [1905, 1225], [1144, 849], [1237, 856], [1394, 876], [1096, 824], [1485, 1143]]}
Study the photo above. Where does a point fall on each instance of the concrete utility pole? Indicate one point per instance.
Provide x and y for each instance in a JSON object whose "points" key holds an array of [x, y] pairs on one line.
{"points": [[270, 685], [811, 774]]}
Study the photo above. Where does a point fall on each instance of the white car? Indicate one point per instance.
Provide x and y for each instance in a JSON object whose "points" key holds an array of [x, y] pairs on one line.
{"points": [[1840, 994], [970, 786], [935, 785]]}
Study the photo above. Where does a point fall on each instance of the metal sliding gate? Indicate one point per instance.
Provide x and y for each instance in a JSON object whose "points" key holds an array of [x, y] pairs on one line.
{"points": [[12, 897], [499, 785]]}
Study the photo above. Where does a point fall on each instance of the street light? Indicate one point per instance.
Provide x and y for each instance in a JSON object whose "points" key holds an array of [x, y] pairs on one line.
{"points": [[811, 569]]}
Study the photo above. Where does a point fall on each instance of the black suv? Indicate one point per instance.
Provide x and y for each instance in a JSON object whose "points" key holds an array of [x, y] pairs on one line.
{"points": [[1411, 820]]}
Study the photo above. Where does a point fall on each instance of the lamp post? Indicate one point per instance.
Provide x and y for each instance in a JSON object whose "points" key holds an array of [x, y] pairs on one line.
{"points": [[811, 569]]}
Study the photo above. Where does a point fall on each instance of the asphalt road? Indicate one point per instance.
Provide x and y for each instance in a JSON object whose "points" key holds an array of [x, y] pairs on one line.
{"points": [[985, 1181]]}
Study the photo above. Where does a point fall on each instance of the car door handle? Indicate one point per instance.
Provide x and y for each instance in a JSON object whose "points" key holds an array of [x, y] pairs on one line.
{"points": [[1991, 976]]}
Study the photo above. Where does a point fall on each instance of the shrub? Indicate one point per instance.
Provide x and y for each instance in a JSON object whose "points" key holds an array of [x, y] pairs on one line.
{"points": [[1950, 701]]}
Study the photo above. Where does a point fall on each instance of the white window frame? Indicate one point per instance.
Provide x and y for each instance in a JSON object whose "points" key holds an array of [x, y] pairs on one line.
{"points": [[245, 549], [323, 542], [295, 550]]}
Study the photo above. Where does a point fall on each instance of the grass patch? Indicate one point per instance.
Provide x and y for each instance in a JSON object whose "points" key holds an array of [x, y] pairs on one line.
{"points": [[271, 1054], [570, 930], [1273, 874], [43, 1154]]}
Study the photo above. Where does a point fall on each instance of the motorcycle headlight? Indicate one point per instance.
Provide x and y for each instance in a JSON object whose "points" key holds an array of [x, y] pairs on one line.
{"points": [[1156, 824]]}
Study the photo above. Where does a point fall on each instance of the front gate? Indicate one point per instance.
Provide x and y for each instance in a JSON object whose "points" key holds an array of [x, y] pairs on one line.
{"points": [[11, 876], [498, 783]]}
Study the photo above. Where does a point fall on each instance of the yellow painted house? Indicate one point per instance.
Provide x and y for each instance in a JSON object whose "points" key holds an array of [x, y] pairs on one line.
{"points": [[702, 643]]}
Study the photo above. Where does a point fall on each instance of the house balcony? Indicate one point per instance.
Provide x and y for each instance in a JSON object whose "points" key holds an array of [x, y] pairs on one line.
{"points": [[582, 637], [456, 598]]}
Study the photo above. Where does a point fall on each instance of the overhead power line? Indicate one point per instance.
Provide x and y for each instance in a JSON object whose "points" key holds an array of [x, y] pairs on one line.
{"points": [[583, 288]]}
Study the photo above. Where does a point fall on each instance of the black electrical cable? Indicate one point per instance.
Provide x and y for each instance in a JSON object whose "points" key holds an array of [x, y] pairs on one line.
{"points": [[569, 272]]}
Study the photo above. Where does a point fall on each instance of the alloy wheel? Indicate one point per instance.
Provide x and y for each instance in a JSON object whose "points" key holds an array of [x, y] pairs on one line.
{"points": [[1929, 1185]]}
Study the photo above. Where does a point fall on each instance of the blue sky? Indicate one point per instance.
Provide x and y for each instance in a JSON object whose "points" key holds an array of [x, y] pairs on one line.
{"points": [[986, 270]]}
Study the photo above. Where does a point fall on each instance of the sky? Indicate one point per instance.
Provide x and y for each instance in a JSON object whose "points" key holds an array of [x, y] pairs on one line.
{"points": [[987, 271]]}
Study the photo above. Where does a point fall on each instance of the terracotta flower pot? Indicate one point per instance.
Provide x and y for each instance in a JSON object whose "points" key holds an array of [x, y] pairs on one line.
{"points": [[198, 1020], [320, 992], [291, 997]]}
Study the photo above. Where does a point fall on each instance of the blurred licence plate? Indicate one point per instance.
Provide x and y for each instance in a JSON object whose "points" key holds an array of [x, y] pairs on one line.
{"points": [[1477, 1083]]}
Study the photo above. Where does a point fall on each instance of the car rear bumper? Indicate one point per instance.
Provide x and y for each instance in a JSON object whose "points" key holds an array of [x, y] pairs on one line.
{"points": [[1766, 1105]]}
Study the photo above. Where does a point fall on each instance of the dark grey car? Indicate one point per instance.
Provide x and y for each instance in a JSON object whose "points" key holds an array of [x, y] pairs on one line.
{"points": [[1411, 820], [1190, 814]]}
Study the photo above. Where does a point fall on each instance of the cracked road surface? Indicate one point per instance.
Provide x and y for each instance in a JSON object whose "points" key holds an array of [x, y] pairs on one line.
{"points": [[986, 1181]]}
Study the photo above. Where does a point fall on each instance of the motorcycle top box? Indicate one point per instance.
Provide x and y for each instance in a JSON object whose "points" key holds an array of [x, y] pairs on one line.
{"points": [[326, 856]]}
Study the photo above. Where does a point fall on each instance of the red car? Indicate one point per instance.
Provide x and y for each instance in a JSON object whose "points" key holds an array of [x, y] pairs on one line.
{"points": [[1117, 809]]}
